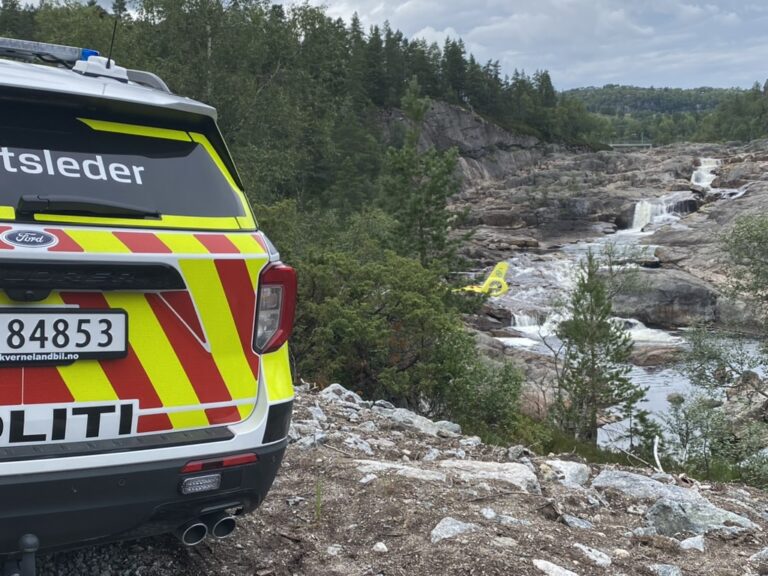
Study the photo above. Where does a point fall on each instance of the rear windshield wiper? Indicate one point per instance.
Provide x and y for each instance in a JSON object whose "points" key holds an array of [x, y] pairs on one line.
{"points": [[33, 204]]}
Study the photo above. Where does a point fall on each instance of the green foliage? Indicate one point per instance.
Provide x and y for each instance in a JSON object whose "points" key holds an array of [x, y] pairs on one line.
{"points": [[615, 100], [485, 400], [415, 187], [592, 363], [747, 245], [383, 323], [720, 431], [664, 115]]}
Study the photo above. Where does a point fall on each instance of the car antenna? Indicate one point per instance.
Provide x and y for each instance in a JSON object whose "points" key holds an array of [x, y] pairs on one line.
{"points": [[112, 42]]}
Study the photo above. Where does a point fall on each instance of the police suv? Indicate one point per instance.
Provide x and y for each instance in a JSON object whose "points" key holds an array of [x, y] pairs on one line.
{"points": [[145, 384]]}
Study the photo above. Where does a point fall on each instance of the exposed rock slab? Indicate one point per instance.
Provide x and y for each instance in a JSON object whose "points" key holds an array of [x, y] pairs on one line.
{"points": [[668, 299], [450, 528], [641, 487], [570, 473], [513, 473], [595, 556], [552, 569], [698, 516], [374, 466]]}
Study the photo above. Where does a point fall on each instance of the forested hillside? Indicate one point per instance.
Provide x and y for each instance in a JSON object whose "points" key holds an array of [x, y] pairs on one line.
{"points": [[665, 115], [614, 99]]}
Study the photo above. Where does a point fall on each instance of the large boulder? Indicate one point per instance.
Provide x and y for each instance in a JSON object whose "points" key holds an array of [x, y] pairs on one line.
{"points": [[513, 473], [668, 299], [700, 516], [639, 487]]}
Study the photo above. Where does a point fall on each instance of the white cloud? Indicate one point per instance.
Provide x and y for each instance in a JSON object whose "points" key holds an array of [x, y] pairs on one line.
{"points": [[590, 42]]}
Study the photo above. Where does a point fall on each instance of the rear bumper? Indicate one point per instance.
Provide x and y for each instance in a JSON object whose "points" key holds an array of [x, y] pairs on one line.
{"points": [[70, 509]]}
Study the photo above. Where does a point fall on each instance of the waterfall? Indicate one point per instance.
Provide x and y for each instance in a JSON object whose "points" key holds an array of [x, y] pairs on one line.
{"points": [[662, 210], [643, 215], [525, 320], [704, 175]]}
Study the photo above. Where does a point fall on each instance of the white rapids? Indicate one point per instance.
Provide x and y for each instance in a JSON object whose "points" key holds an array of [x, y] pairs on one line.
{"points": [[705, 175]]}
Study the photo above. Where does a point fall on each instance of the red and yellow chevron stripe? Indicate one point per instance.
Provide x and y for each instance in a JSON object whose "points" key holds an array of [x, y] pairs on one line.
{"points": [[190, 361]]}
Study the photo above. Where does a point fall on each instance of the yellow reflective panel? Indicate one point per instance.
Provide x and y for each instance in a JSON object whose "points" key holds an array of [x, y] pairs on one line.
{"points": [[96, 241], [246, 244], [165, 221], [246, 221], [277, 374], [136, 130], [182, 243], [7, 213]]}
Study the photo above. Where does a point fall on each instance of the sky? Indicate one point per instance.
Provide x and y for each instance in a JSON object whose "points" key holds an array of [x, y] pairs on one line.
{"points": [[675, 43]]}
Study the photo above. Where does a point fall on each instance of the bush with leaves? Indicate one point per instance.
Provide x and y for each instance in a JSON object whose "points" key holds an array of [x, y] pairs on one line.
{"points": [[385, 325], [721, 431]]}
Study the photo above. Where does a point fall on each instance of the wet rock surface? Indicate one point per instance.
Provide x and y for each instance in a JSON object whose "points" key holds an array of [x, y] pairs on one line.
{"points": [[336, 511]]}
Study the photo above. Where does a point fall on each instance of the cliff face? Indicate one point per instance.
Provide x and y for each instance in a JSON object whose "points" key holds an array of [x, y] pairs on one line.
{"points": [[487, 152]]}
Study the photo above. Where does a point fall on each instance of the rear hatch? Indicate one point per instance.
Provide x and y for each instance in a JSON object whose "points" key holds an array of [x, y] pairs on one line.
{"points": [[129, 268]]}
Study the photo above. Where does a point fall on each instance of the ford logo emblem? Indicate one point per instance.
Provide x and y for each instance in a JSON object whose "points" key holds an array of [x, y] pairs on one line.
{"points": [[29, 238]]}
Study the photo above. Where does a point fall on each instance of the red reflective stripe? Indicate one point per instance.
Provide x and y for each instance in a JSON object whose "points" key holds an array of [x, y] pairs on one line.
{"points": [[142, 242], [65, 244], [241, 296], [197, 362], [217, 244], [153, 423], [3, 245], [127, 375], [10, 386], [44, 385], [225, 415], [181, 302], [217, 463]]}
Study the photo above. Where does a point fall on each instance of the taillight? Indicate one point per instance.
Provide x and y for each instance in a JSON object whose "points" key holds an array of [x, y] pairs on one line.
{"points": [[276, 308]]}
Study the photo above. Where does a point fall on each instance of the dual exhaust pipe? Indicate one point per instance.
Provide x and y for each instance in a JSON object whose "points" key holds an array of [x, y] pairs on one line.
{"points": [[219, 525]]}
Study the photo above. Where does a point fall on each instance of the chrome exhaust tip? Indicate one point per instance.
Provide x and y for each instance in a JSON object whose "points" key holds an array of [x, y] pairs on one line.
{"points": [[221, 525], [193, 533]]}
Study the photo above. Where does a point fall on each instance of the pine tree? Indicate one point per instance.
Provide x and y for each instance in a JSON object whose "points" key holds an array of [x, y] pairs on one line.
{"points": [[415, 187], [593, 362]]}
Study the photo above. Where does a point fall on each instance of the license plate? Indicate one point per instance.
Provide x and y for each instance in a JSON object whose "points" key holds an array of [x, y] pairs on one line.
{"points": [[61, 336]]}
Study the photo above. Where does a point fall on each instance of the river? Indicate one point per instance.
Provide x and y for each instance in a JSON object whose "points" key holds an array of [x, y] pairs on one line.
{"points": [[539, 282]]}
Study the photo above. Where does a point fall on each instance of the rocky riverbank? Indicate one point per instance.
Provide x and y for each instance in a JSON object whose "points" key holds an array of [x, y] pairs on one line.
{"points": [[367, 489], [522, 196]]}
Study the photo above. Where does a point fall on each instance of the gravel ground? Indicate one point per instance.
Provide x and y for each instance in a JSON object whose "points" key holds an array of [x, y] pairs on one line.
{"points": [[320, 519]]}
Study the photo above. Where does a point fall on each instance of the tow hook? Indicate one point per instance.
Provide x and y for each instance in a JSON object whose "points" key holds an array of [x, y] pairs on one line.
{"points": [[28, 544]]}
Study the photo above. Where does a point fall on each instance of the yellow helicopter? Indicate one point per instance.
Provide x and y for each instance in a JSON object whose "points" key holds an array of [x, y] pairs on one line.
{"points": [[494, 284]]}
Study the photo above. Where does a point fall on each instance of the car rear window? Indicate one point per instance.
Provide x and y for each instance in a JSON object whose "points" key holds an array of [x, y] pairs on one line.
{"points": [[46, 152]]}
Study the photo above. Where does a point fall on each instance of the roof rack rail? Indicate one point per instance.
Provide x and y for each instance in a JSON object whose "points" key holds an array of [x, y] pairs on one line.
{"points": [[148, 79], [53, 53]]}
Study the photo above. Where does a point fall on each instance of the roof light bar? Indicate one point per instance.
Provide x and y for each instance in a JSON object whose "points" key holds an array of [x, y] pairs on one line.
{"points": [[29, 50]]}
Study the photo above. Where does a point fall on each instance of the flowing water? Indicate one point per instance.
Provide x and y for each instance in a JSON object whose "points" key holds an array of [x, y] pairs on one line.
{"points": [[539, 283]]}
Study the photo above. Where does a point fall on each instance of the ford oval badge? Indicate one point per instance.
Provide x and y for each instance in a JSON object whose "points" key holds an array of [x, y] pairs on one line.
{"points": [[29, 238]]}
